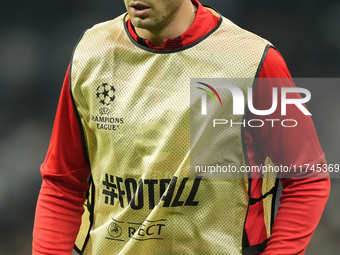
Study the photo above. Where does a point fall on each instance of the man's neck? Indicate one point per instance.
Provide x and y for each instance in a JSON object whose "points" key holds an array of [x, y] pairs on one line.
{"points": [[179, 24]]}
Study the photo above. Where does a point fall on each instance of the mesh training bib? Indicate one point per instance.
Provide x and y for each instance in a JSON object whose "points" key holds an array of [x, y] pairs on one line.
{"points": [[134, 110]]}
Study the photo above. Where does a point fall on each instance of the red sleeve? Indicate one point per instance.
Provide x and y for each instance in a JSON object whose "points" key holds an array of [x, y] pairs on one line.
{"points": [[303, 199], [64, 172]]}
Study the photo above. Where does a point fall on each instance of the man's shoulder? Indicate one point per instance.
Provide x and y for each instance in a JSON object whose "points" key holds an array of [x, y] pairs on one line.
{"points": [[101, 35], [232, 30], [107, 26]]}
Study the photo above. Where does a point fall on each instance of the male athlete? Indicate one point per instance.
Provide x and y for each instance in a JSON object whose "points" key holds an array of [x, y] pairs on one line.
{"points": [[121, 139]]}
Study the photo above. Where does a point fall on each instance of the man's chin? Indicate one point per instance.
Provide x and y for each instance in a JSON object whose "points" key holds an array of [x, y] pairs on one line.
{"points": [[141, 23]]}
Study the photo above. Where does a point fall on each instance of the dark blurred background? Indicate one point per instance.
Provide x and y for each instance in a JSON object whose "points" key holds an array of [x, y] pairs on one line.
{"points": [[36, 41]]}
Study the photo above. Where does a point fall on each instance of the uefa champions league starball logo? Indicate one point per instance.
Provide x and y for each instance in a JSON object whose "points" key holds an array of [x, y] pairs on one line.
{"points": [[105, 94]]}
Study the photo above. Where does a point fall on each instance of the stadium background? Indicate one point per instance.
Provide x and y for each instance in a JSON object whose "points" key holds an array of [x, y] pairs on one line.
{"points": [[36, 42]]}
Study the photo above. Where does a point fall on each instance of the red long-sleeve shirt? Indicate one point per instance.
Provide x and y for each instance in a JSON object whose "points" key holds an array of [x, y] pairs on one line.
{"points": [[65, 172]]}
